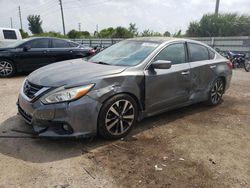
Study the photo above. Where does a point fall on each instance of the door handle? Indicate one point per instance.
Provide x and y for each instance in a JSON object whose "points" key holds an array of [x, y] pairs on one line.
{"points": [[213, 66], [45, 51], [185, 72]]}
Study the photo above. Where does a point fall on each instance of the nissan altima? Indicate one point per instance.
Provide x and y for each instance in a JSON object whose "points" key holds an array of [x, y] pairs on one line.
{"points": [[124, 83]]}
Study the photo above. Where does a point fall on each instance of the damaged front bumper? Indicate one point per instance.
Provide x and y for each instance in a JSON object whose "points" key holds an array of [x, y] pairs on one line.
{"points": [[70, 119]]}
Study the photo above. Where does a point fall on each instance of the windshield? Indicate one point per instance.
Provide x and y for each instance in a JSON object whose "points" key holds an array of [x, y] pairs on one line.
{"points": [[16, 44], [125, 53]]}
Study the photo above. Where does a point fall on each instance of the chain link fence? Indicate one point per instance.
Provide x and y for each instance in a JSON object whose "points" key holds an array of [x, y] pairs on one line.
{"points": [[236, 44]]}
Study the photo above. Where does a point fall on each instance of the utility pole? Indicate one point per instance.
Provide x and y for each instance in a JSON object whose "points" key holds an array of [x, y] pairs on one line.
{"points": [[20, 16], [11, 23], [60, 3], [79, 26], [217, 7]]}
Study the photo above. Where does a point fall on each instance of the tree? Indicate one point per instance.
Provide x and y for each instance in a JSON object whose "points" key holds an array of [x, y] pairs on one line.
{"points": [[50, 34], [24, 34], [122, 32], [211, 25], [35, 24], [107, 33], [177, 34], [133, 29], [73, 34], [146, 33], [167, 34]]}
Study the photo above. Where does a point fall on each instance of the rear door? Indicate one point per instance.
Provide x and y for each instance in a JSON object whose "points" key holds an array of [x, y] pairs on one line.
{"points": [[166, 88], [61, 50], [203, 66]]}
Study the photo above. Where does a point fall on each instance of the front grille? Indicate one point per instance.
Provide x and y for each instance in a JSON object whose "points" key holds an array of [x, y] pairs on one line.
{"points": [[31, 89], [27, 117]]}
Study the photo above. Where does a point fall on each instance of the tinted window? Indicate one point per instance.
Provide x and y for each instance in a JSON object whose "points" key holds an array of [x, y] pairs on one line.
{"points": [[38, 43], [9, 34], [197, 52], [211, 54], [73, 44], [60, 43], [174, 53]]}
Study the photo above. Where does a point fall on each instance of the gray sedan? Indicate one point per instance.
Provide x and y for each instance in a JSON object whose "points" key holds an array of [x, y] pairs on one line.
{"points": [[126, 82]]}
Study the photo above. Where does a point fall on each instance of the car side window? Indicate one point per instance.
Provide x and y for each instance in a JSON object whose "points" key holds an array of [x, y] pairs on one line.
{"points": [[38, 43], [57, 43], [174, 53], [9, 34], [211, 54], [197, 52], [73, 44]]}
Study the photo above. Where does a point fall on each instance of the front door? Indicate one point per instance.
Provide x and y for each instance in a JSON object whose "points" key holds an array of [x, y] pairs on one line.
{"points": [[37, 56], [166, 88]]}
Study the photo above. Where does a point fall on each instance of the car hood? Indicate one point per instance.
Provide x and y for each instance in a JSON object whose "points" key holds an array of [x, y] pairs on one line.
{"points": [[71, 72], [5, 49]]}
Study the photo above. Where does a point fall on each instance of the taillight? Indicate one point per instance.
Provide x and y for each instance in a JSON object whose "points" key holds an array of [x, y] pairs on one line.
{"points": [[91, 51], [230, 64]]}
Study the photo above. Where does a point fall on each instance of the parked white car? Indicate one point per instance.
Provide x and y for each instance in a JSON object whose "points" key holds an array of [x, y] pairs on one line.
{"points": [[8, 36]]}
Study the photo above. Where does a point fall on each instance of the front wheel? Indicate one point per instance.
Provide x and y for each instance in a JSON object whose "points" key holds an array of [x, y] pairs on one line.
{"points": [[117, 116], [7, 68], [247, 65], [216, 92]]}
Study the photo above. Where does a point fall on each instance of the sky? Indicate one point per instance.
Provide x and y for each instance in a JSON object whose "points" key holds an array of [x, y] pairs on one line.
{"points": [[157, 15]]}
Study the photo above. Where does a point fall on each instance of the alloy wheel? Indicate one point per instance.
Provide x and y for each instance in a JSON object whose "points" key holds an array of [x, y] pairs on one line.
{"points": [[247, 65], [217, 92], [6, 68], [120, 117]]}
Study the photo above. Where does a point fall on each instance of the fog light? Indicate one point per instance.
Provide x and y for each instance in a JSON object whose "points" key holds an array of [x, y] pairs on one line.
{"points": [[66, 127]]}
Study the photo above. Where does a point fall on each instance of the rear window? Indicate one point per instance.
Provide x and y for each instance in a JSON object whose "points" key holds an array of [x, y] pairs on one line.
{"points": [[211, 54], [60, 43], [197, 52], [9, 34], [73, 44]]}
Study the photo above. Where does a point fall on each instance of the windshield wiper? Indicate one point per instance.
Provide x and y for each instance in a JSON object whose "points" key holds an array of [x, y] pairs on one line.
{"points": [[101, 62]]}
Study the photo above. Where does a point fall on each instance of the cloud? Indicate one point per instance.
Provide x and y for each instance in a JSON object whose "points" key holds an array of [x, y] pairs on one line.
{"points": [[158, 15]]}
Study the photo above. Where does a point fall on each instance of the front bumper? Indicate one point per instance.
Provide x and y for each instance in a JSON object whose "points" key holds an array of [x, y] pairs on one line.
{"points": [[79, 117]]}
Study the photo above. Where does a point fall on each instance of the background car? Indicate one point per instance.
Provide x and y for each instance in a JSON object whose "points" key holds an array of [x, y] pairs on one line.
{"points": [[130, 80], [30, 54], [9, 36]]}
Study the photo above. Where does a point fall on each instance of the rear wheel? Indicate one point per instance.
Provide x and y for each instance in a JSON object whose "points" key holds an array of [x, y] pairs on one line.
{"points": [[216, 92], [247, 65], [117, 116], [7, 68]]}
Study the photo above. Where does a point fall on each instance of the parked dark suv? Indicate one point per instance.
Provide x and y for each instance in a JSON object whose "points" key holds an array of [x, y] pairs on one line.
{"points": [[30, 54]]}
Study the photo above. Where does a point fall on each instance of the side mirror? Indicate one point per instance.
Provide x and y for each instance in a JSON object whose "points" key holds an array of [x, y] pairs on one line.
{"points": [[26, 48], [161, 64]]}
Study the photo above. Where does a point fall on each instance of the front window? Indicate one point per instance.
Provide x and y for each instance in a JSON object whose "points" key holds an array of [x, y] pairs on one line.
{"points": [[125, 53], [57, 43], [174, 53]]}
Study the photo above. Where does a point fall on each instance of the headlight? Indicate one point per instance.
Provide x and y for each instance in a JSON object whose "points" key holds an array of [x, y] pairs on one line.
{"points": [[67, 94]]}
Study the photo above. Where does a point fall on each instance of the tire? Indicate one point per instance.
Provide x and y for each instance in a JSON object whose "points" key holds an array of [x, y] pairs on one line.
{"points": [[216, 92], [247, 65], [117, 116], [7, 68]]}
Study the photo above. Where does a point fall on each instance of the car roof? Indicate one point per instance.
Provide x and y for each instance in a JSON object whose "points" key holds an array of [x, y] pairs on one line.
{"points": [[164, 39]]}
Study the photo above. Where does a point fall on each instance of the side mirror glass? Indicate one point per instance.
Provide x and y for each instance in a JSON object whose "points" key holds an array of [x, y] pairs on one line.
{"points": [[161, 64], [26, 48]]}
